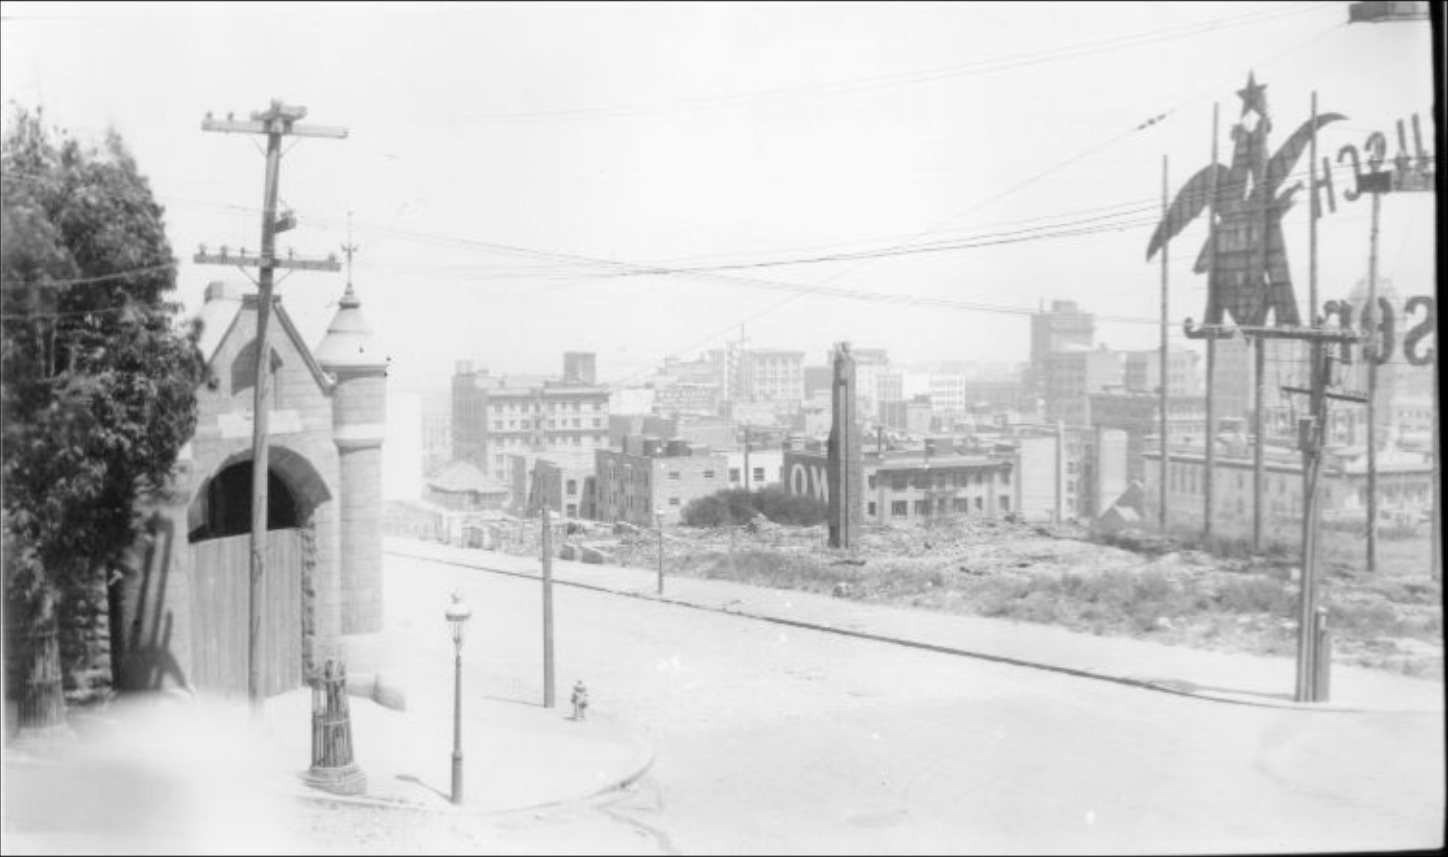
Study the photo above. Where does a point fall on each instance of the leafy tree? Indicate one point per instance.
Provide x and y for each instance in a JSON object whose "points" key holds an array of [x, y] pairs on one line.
{"points": [[735, 506], [97, 389]]}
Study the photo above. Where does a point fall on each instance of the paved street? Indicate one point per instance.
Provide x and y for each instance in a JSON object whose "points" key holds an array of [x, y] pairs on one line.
{"points": [[772, 738]]}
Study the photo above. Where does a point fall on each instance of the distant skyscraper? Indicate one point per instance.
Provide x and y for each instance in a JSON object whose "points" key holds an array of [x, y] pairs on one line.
{"points": [[579, 367], [1064, 325]]}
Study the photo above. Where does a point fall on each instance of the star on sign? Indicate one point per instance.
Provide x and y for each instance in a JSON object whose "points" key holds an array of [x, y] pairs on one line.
{"points": [[1254, 96]]}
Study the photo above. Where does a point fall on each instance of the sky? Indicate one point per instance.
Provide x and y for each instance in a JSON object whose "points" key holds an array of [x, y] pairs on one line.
{"points": [[510, 168]]}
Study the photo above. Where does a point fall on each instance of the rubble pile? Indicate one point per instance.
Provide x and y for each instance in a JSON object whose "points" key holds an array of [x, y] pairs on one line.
{"points": [[1138, 585], [1055, 573]]}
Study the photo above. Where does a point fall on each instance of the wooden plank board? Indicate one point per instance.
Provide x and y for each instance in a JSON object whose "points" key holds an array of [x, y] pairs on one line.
{"points": [[220, 608]]}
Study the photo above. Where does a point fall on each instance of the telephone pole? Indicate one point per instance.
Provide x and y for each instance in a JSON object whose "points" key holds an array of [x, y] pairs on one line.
{"points": [[548, 689], [1164, 394], [1371, 352], [746, 458], [276, 122], [1312, 658]]}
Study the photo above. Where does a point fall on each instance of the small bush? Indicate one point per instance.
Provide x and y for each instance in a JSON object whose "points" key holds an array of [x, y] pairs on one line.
{"points": [[1255, 595], [733, 507]]}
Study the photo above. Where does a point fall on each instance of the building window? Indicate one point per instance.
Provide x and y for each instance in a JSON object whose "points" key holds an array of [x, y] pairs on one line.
{"points": [[708, 474], [872, 480], [922, 507], [572, 486], [673, 474], [759, 474], [733, 474], [673, 501], [980, 504], [1005, 504], [870, 509], [960, 504], [899, 509]]}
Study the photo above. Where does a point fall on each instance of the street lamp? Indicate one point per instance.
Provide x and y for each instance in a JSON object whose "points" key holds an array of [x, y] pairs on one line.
{"points": [[457, 616], [659, 519]]}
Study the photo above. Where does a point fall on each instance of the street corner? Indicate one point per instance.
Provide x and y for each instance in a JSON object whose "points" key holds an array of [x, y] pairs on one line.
{"points": [[536, 757], [515, 756]]}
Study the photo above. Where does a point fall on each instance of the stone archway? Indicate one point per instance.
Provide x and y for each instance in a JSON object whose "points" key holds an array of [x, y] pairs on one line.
{"points": [[219, 537]]}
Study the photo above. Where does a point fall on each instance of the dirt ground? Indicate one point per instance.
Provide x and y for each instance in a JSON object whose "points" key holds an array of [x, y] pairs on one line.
{"points": [[1057, 574]]}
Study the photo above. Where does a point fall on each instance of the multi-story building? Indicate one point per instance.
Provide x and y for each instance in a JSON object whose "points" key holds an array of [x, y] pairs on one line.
{"points": [[947, 396], [1139, 415], [818, 379], [652, 477], [437, 445], [631, 400], [497, 415], [713, 432], [870, 365], [772, 375], [913, 416], [912, 487], [1232, 378], [764, 468], [1063, 326], [1405, 489], [579, 367], [999, 395], [1142, 371], [564, 481], [1072, 375], [685, 397]]}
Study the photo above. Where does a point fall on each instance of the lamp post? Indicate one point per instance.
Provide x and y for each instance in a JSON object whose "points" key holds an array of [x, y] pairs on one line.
{"points": [[457, 616], [659, 519]]}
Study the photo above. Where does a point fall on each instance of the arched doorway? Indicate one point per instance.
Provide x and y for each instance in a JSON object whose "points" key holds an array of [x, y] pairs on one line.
{"points": [[219, 533]]}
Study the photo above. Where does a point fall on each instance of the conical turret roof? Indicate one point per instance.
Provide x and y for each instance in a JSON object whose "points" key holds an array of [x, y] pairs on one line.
{"points": [[350, 343]]}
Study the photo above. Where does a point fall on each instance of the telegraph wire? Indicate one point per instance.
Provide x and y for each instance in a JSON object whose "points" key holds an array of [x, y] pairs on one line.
{"points": [[1032, 179], [910, 78]]}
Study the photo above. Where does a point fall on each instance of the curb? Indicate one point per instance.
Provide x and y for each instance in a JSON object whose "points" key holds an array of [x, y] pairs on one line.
{"points": [[645, 755], [1143, 684]]}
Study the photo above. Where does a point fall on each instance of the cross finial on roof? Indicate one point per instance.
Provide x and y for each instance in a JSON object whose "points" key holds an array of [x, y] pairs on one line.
{"points": [[349, 250]]}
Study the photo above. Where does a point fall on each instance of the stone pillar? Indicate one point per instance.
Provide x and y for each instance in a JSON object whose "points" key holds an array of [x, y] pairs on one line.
{"points": [[845, 469], [359, 408]]}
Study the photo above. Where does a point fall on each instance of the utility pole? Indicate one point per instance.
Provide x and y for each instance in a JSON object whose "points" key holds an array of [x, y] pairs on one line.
{"points": [[659, 518], [1165, 251], [275, 122], [1060, 471], [746, 458], [1211, 331], [1312, 659], [1259, 369], [548, 683], [1372, 353]]}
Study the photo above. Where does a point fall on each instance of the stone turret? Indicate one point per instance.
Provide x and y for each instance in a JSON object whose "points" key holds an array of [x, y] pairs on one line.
{"points": [[359, 406]]}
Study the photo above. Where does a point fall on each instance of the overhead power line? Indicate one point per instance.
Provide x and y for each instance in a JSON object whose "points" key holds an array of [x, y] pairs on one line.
{"points": [[910, 78]]}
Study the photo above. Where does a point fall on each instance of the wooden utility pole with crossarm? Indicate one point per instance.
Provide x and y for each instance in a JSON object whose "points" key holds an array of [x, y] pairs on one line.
{"points": [[277, 121]]}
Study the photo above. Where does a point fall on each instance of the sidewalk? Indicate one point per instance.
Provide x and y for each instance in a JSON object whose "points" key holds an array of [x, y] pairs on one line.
{"points": [[164, 772], [515, 756], [1225, 677]]}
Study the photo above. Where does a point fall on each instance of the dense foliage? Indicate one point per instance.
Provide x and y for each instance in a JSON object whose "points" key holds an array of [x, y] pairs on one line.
{"points": [[97, 388], [735, 506]]}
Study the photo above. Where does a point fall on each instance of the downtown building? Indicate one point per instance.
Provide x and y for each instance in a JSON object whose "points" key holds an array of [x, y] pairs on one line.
{"points": [[650, 479], [496, 415], [1405, 489], [911, 487], [1063, 325]]}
